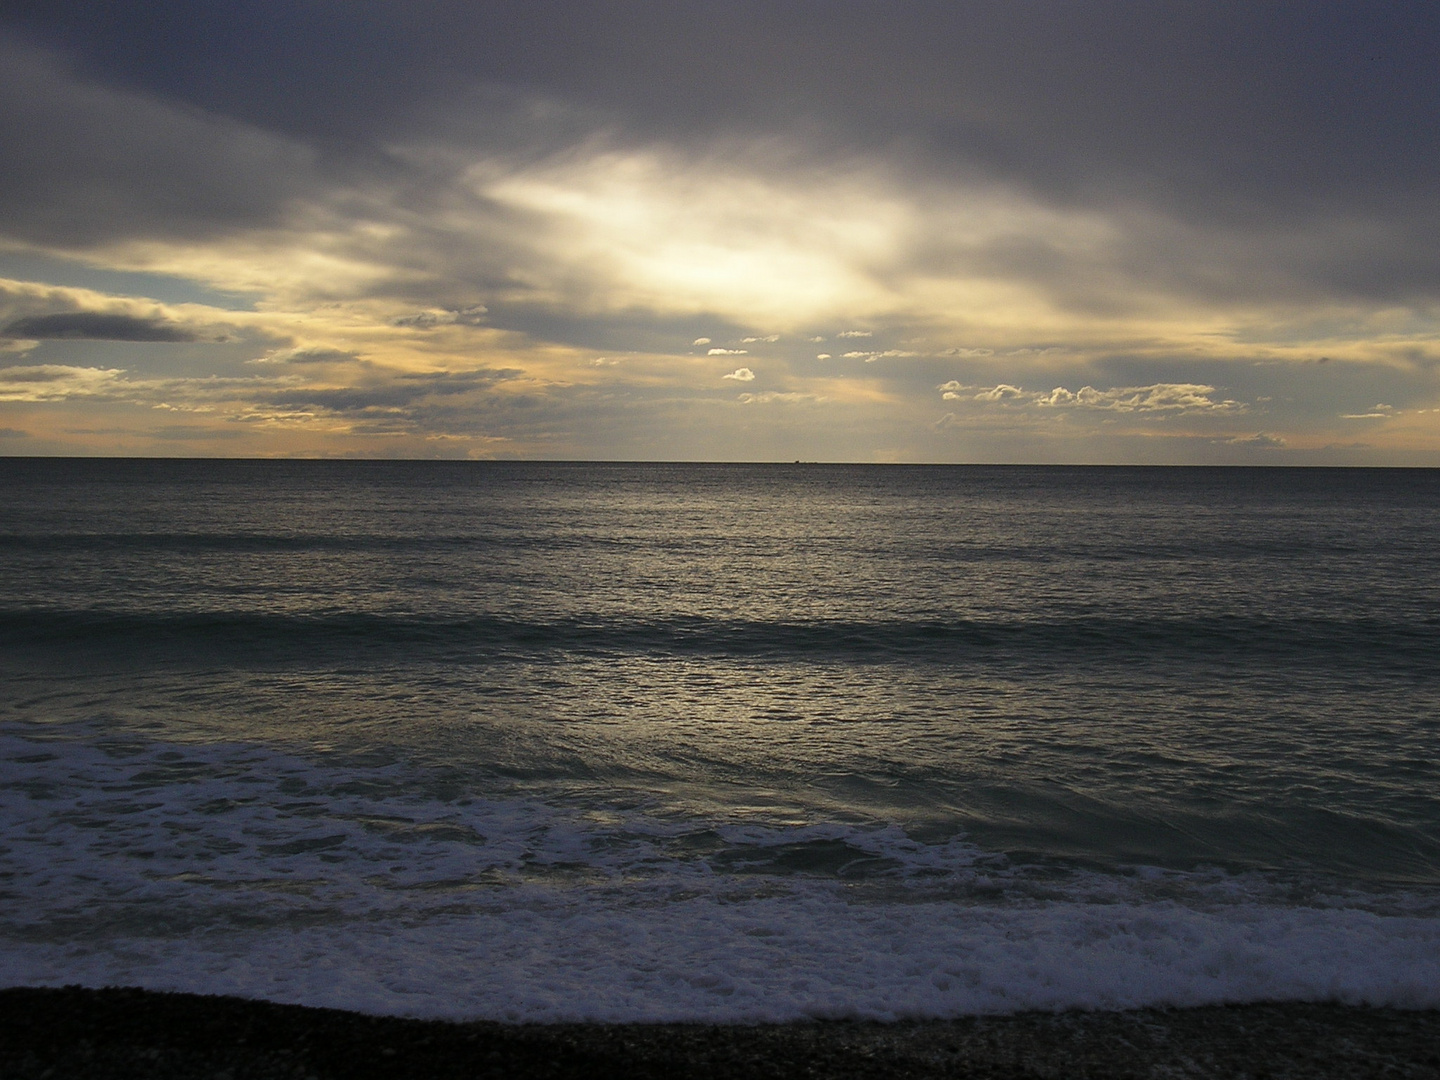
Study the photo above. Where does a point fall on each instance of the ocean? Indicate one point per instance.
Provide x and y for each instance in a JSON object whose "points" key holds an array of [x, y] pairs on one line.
{"points": [[552, 741]]}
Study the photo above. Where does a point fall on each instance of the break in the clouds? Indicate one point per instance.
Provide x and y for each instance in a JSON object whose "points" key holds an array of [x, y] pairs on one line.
{"points": [[1110, 232]]}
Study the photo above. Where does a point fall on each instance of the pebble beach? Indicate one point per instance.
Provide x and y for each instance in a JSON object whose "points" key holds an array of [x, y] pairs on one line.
{"points": [[72, 1033]]}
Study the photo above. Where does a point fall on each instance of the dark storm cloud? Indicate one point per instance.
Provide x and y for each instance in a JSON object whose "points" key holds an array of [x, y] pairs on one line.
{"points": [[85, 164], [1292, 94], [95, 326], [1256, 146]]}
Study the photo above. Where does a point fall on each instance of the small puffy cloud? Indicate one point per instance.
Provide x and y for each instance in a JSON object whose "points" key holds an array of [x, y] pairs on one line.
{"points": [[817, 340], [433, 317], [968, 352], [1258, 441], [743, 374], [854, 333], [95, 326], [952, 390], [728, 352], [1379, 412], [1002, 392], [822, 356], [701, 341], [771, 338], [604, 361]]}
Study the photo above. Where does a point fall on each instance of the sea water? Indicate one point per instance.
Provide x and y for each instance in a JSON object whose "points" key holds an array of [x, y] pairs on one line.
{"points": [[721, 742]]}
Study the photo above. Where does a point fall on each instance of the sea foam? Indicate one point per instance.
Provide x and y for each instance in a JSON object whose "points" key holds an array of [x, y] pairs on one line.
{"points": [[244, 869]]}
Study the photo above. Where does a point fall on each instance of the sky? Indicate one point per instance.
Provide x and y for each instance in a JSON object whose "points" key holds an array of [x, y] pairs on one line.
{"points": [[1014, 231]]}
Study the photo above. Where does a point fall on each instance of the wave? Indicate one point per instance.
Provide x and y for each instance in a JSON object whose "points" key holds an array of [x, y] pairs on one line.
{"points": [[1068, 548], [241, 869], [1411, 646]]}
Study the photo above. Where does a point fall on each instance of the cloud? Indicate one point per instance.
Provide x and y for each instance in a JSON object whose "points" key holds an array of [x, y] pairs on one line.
{"points": [[96, 326], [33, 311], [55, 382], [192, 432], [396, 395], [1258, 441], [492, 201], [1156, 398], [1159, 397], [458, 382], [433, 317], [1003, 392], [310, 354], [871, 357], [742, 230], [579, 219], [822, 356], [90, 164], [13, 433], [977, 85], [743, 374], [770, 397]]}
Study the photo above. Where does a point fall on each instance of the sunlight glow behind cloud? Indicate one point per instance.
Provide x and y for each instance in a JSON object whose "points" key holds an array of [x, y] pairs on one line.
{"points": [[656, 230]]}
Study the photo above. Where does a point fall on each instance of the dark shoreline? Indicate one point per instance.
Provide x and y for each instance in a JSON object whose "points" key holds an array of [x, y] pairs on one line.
{"points": [[119, 1034]]}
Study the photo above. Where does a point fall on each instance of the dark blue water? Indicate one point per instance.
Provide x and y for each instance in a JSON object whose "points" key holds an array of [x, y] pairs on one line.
{"points": [[720, 741]]}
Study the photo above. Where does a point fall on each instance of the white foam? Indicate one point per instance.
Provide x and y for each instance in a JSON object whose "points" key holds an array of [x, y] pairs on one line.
{"points": [[779, 958], [232, 869]]}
